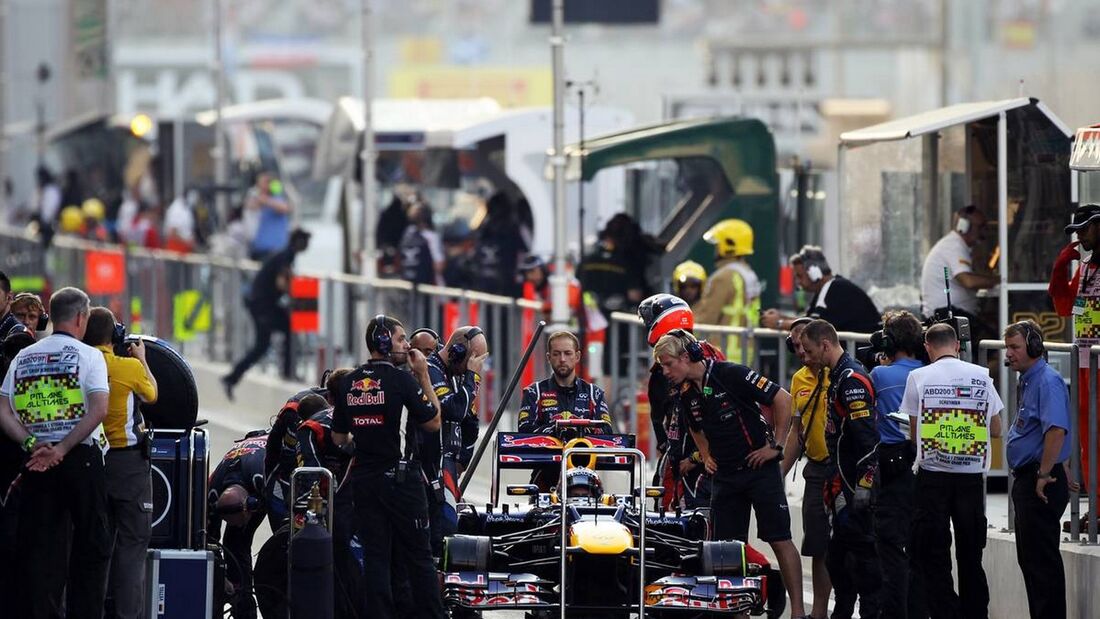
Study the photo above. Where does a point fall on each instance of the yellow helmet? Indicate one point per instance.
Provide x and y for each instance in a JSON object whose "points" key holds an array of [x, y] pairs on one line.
{"points": [[688, 270], [71, 219], [733, 237], [94, 209]]}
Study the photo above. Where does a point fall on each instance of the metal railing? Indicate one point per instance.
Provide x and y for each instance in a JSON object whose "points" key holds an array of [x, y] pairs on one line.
{"points": [[154, 279], [164, 293], [628, 378]]}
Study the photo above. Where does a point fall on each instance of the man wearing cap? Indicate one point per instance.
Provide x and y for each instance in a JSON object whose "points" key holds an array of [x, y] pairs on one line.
{"points": [[1077, 294], [265, 303]]}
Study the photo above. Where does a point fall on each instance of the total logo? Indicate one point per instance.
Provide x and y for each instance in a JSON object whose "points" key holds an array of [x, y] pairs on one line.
{"points": [[362, 421]]}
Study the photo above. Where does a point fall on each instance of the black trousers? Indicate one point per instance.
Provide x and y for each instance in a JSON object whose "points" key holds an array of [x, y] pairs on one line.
{"points": [[853, 565], [942, 501], [70, 496], [392, 522], [893, 518], [238, 544], [1038, 531], [266, 321]]}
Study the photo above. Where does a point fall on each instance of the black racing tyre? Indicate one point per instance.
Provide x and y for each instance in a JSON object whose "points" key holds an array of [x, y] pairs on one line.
{"points": [[721, 558], [269, 575], [177, 405], [467, 552]]}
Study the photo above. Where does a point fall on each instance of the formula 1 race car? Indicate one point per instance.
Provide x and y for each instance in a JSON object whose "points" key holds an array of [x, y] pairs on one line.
{"points": [[600, 554]]}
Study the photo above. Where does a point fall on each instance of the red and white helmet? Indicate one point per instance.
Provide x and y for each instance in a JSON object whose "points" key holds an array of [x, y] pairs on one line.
{"points": [[662, 313]]}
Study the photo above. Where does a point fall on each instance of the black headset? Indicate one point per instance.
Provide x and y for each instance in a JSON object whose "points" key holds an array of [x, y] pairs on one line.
{"points": [[380, 336], [797, 321], [431, 332], [1034, 339], [459, 350], [43, 316], [692, 346]]}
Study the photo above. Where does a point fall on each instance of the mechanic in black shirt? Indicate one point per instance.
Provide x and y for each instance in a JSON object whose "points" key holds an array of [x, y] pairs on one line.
{"points": [[280, 455], [264, 298], [835, 299], [852, 439], [378, 406], [680, 469], [722, 401], [455, 372], [236, 497]]}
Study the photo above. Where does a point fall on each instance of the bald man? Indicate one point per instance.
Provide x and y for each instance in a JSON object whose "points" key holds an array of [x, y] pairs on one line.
{"points": [[455, 372]]}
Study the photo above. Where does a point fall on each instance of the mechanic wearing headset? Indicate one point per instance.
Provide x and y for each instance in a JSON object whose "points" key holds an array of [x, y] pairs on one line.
{"points": [[835, 299], [721, 401], [680, 469], [851, 438], [425, 340], [236, 497], [378, 405], [455, 372]]}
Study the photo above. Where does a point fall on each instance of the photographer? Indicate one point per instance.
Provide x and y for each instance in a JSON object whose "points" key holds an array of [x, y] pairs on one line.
{"points": [[901, 341], [378, 406], [953, 411], [129, 485]]}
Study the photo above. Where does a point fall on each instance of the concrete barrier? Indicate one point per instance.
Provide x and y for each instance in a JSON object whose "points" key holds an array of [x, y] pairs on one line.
{"points": [[1008, 598]]}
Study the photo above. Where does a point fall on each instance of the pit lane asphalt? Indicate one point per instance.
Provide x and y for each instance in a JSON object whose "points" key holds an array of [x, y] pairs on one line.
{"points": [[226, 426]]}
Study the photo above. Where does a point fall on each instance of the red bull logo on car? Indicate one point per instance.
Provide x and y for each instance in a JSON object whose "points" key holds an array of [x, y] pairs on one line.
{"points": [[537, 440]]}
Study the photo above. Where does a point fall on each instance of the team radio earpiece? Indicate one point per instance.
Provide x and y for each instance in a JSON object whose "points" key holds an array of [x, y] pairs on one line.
{"points": [[692, 346], [381, 336], [460, 350]]}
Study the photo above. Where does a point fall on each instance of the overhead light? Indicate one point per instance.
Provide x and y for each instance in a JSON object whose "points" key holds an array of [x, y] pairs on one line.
{"points": [[141, 125]]}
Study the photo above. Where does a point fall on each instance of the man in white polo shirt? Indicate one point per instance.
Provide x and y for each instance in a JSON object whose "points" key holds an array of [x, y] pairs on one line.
{"points": [[953, 252], [53, 402], [953, 408]]}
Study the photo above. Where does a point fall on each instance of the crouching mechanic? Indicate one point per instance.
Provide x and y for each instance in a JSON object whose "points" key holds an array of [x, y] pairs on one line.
{"points": [[680, 469], [851, 438], [455, 373], [236, 497], [562, 396], [280, 455], [378, 406], [721, 402]]}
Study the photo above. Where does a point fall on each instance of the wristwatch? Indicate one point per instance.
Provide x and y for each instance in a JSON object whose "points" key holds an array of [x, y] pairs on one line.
{"points": [[29, 443]]}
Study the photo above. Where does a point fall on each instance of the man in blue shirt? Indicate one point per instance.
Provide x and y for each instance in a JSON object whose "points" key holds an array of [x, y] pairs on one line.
{"points": [[901, 340], [1037, 449]]}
